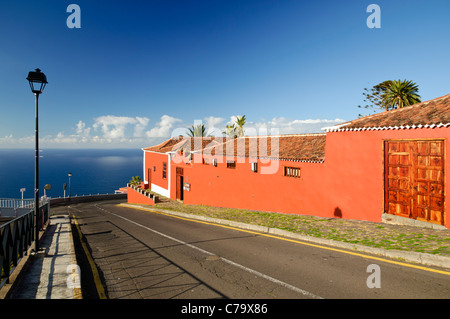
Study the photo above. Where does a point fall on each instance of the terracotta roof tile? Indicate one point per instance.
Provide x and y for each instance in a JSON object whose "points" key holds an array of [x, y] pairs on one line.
{"points": [[164, 147], [177, 143], [432, 113], [298, 147]]}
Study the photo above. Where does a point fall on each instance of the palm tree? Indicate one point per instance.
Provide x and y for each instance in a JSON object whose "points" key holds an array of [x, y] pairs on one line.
{"points": [[240, 121], [237, 128], [230, 131], [135, 180], [198, 130], [400, 93]]}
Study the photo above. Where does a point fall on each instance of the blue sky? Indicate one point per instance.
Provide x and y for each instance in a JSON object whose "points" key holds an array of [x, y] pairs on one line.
{"points": [[138, 71]]}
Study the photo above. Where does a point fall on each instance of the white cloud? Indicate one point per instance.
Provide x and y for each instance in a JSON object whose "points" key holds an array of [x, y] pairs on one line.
{"points": [[124, 131], [11, 141], [7, 139], [81, 129], [60, 138], [277, 125], [212, 122], [289, 126], [164, 127], [113, 127], [141, 125], [107, 130]]}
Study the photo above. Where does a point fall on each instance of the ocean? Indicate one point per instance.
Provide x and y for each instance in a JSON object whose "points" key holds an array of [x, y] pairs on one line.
{"points": [[94, 171]]}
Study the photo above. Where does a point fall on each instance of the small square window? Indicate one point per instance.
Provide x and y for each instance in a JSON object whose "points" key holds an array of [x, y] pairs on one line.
{"points": [[292, 171], [231, 164]]}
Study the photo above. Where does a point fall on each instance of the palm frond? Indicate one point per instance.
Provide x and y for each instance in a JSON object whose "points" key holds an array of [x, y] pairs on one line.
{"points": [[400, 94]]}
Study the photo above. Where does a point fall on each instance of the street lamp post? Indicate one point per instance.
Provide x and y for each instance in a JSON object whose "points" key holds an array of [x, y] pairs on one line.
{"points": [[70, 175], [37, 81]]}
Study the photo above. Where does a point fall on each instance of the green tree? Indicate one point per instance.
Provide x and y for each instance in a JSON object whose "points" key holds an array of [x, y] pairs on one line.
{"points": [[136, 181], [400, 94], [389, 95], [230, 131], [240, 122], [198, 130], [236, 129], [374, 97]]}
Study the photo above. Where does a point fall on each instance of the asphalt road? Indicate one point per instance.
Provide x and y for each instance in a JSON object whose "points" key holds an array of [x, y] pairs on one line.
{"points": [[144, 255]]}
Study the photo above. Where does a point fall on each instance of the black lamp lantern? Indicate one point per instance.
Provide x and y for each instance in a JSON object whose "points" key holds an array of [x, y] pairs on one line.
{"points": [[37, 80]]}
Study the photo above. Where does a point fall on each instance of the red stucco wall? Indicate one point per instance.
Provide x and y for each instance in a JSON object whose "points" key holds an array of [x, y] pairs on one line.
{"points": [[135, 198], [156, 159], [355, 168], [349, 184]]}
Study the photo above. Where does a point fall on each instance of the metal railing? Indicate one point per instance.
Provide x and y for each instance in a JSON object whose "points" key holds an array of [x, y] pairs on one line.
{"points": [[16, 237], [16, 203], [11, 207]]}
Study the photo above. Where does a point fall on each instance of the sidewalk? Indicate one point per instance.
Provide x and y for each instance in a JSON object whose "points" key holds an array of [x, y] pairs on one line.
{"points": [[50, 273]]}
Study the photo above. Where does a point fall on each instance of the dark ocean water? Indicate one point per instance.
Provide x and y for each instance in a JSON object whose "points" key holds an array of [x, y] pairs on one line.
{"points": [[93, 171]]}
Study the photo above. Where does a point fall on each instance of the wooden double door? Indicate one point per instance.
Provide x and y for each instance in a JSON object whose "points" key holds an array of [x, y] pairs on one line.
{"points": [[415, 180]]}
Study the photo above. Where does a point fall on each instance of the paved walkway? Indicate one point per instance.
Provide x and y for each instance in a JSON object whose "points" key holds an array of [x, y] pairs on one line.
{"points": [[52, 273]]}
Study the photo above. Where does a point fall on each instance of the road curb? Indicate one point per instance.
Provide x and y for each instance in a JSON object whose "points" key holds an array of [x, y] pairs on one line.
{"points": [[76, 280], [408, 256]]}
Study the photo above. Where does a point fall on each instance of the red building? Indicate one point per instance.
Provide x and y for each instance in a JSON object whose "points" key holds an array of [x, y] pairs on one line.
{"points": [[390, 166]]}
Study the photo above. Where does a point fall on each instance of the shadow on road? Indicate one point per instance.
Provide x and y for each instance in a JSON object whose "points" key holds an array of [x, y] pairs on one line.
{"points": [[129, 268]]}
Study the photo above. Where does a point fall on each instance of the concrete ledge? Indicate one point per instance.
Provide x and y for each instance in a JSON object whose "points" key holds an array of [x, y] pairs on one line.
{"points": [[76, 289], [85, 199], [398, 220], [408, 256]]}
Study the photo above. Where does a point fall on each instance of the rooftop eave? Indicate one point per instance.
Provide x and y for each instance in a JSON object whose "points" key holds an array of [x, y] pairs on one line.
{"points": [[334, 127], [381, 128]]}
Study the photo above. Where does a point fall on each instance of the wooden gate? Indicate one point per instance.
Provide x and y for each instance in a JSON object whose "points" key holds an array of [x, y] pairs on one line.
{"points": [[414, 179]]}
